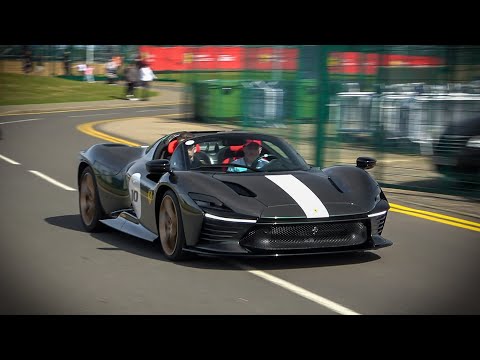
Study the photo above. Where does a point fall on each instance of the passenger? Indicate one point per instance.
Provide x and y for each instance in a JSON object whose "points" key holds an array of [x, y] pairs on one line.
{"points": [[191, 148], [195, 162]]}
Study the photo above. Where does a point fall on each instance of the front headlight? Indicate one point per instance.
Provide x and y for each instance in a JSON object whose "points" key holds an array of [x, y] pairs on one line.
{"points": [[474, 142]]}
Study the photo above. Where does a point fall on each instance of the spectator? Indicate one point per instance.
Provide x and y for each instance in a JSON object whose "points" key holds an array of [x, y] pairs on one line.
{"points": [[131, 80], [146, 76], [27, 60], [81, 69], [66, 62], [111, 72]]}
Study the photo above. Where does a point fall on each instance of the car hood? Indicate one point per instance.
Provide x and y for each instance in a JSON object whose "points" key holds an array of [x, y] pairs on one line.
{"points": [[301, 194]]}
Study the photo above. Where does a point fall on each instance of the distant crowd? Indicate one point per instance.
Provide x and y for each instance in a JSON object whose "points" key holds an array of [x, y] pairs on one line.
{"points": [[137, 74]]}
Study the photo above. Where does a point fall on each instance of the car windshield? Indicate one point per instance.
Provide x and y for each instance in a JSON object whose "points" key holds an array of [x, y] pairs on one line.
{"points": [[245, 153]]}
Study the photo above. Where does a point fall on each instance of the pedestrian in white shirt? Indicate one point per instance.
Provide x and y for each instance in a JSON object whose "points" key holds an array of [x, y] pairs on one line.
{"points": [[146, 76]]}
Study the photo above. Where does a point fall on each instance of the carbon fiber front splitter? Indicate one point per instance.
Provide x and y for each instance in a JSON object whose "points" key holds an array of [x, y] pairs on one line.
{"points": [[234, 249]]}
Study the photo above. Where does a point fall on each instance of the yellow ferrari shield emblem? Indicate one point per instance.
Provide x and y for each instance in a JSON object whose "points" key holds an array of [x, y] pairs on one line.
{"points": [[150, 196]]}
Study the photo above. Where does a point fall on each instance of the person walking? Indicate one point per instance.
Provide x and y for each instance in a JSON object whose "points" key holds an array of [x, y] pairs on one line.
{"points": [[146, 76], [132, 77], [111, 72], [66, 62]]}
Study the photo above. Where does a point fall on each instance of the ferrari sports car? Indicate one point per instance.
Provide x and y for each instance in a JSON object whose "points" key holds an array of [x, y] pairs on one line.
{"points": [[230, 193]]}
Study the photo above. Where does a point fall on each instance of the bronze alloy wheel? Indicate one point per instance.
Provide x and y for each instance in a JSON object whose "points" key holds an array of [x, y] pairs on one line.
{"points": [[87, 198], [168, 225]]}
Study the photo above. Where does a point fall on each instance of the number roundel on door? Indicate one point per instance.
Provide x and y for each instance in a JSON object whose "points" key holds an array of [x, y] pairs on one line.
{"points": [[135, 196]]}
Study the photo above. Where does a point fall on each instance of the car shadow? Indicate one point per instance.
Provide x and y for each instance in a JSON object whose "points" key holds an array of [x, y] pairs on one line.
{"points": [[118, 241]]}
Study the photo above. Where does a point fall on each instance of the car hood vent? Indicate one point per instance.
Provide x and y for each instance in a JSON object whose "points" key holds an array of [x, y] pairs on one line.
{"points": [[239, 189]]}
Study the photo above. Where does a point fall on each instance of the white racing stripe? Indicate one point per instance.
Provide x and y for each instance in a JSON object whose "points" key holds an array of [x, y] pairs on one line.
{"points": [[305, 198], [342, 310], [52, 181], [9, 160]]}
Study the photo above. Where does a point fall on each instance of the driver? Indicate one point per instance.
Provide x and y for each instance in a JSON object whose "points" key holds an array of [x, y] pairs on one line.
{"points": [[251, 150]]}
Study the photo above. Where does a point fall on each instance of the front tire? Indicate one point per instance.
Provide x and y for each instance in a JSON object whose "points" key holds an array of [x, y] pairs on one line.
{"points": [[170, 228], [91, 211]]}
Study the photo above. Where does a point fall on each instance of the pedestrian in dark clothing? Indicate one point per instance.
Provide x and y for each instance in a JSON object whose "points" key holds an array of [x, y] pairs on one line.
{"points": [[66, 62], [132, 78], [27, 60]]}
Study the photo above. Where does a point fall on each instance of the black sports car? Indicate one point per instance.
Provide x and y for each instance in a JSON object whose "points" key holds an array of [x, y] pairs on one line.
{"points": [[201, 196]]}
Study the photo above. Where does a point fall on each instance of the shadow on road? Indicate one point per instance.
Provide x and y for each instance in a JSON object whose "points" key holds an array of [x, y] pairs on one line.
{"points": [[124, 242], [70, 222]]}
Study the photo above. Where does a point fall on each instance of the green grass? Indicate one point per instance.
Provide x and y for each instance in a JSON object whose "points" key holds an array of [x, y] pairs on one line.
{"points": [[19, 89]]}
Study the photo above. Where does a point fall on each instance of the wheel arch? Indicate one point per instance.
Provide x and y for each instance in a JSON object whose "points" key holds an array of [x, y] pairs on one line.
{"points": [[158, 199], [194, 220], [81, 167]]}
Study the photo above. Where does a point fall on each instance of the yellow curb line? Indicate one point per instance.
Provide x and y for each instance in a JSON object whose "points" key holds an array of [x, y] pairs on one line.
{"points": [[431, 218], [432, 214]]}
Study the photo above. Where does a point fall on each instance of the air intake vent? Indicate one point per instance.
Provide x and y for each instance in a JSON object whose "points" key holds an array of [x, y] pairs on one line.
{"points": [[305, 236], [239, 189]]}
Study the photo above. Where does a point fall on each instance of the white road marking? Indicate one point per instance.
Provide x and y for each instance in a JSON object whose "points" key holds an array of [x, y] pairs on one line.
{"points": [[9, 160], [342, 310], [79, 116], [19, 121], [52, 181], [147, 110]]}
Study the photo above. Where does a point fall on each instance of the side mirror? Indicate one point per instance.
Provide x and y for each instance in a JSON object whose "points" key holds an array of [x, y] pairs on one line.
{"points": [[159, 166], [365, 163]]}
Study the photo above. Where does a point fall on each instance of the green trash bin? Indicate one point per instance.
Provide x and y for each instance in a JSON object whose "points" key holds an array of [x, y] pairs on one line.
{"points": [[224, 99], [306, 99], [200, 100], [217, 100]]}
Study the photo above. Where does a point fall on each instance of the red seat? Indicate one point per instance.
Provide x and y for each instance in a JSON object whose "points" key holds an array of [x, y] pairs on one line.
{"points": [[173, 145]]}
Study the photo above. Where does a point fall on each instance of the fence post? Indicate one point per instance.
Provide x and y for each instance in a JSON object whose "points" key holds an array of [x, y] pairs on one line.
{"points": [[322, 103]]}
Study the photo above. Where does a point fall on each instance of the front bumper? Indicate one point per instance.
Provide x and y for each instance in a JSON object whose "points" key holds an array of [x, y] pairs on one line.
{"points": [[292, 237]]}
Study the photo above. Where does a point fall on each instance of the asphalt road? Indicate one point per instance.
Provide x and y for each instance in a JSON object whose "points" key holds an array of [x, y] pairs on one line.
{"points": [[49, 265]]}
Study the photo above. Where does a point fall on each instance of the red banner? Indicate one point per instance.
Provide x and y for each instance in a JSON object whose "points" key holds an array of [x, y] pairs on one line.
{"points": [[179, 58], [361, 63]]}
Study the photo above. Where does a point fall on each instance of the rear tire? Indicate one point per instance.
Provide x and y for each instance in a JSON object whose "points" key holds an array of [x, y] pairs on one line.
{"points": [[170, 228], [91, 211]]}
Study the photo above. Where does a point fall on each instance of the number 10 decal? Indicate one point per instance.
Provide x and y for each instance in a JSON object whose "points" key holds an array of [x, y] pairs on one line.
{"points": [[135, 197]]}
